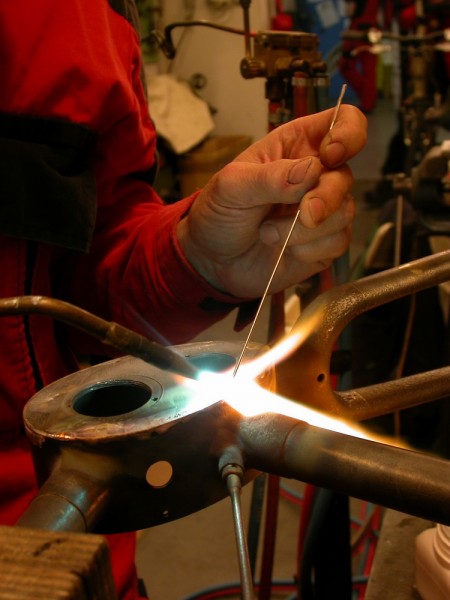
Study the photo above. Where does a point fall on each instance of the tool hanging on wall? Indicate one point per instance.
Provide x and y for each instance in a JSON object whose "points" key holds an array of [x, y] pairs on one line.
{"points": [[286, 59], [292, 65]]}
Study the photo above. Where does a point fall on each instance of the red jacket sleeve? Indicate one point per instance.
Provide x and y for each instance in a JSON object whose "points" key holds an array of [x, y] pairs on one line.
{"points": [[79, 61]]}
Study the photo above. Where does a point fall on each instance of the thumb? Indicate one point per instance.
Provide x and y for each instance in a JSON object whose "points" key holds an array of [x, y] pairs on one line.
{"points": [[284, 181], [347, 137]]}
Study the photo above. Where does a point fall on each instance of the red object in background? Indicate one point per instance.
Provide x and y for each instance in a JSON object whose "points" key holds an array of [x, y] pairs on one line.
{"points": [[282, 21], [360, 70], [300, 94]]}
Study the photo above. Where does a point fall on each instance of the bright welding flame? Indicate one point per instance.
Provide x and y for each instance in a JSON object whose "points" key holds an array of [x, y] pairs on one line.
{"points": [[248, 398], [240, 389], [243, 393], [282, 349]]}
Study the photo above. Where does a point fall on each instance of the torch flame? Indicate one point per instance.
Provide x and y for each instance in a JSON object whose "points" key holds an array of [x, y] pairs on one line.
{"points": [[283, 348], [247, 397], [243, 393]]}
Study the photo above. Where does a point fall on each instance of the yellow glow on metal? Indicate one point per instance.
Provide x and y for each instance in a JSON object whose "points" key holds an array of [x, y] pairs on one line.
{"points": [[248, 398], [244, 394]]}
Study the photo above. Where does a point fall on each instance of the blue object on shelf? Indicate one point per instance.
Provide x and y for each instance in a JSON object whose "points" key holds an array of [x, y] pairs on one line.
{"points": [[327, 19]]}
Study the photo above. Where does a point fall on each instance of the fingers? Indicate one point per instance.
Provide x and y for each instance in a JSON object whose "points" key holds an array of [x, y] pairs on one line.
{"points": [[311, 136], [316, 206], [347, 138], [326, 198], [324, 249], [246, 185], [274, 232], [309, 259], [234, 230], [304, 260]]}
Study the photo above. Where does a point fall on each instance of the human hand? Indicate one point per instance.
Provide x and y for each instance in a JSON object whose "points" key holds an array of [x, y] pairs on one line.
{"points": [[235, 229]]}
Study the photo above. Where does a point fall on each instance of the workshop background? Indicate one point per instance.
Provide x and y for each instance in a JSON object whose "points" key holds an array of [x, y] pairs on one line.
{"points": [[197, 553], [200, 94], [208, 96], [196, 556]]}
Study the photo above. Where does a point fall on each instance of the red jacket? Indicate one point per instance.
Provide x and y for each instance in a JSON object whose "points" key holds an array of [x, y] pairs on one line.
{"points": [[78, 217]]}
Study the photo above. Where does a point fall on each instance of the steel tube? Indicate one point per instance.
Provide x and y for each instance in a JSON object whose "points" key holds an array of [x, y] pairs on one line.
{"points": [[383, 398], [321, 323], [68, 501], [234, 485], [411, 482], [112, 334]]}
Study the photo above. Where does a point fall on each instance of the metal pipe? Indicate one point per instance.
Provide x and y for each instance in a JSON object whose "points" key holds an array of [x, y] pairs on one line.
{"points": [[233, 476], [121, 338], [111, 424], [245, 5], [68, 501], [411, 482], [165, 41], [325, 318], [383, 398]]}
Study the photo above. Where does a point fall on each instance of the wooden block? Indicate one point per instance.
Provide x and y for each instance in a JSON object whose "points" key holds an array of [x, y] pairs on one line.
{"points": [[54, 566]]}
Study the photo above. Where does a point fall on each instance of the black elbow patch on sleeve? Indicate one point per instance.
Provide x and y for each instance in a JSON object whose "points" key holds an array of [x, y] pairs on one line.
{"points": [[47, 188]]}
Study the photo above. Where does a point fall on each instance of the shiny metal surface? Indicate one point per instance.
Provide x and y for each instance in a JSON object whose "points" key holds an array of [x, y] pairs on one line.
{"points": [[108, 448], [325, 318], [233, 478], [411, 482], [125, 340], [383, 398], [99, 434]]}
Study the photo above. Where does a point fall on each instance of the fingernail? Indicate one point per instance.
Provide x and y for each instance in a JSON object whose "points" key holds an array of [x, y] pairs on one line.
{"points": [[298, 170], [335, 153], [316, 209], [269, 234]]}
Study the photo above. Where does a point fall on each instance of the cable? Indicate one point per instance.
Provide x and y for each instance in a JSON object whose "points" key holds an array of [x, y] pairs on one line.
{"points": [[365, 528], [254, 526], [359, 579], [305, 517], [290, 494], [117, 336], [233, 475], [165, 42], [269, 537]]}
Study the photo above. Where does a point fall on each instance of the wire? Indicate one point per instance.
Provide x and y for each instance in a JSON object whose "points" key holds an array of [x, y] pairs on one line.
{"points": [[290, 494], [165, 41], [254, 526], [234, 485], [112, 334], [270, 531], [365, 528]]}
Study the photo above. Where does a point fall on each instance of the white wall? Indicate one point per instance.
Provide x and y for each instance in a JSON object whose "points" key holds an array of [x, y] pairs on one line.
{"points": [[241, 105]]}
